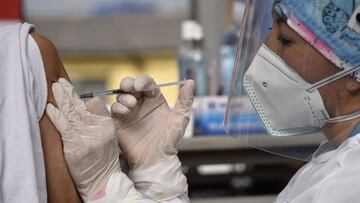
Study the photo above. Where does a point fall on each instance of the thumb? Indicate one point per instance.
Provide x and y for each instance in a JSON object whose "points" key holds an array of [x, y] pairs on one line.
{"points": [[97, 106], [59, 121], [185, 99]]}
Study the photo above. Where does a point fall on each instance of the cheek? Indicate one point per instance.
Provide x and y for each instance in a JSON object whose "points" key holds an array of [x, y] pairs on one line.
{"points": [[307, 63], [300, 62], [331, 98]]}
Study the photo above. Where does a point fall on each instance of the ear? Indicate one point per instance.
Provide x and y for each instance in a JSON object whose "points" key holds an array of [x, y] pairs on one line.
{"points": [[352, 85]]}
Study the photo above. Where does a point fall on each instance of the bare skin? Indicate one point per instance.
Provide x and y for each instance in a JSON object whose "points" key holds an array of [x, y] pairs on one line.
{"points": [[340, 97], [60, 187]]}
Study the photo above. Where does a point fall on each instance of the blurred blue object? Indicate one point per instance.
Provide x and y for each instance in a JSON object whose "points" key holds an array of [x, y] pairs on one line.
{"points": [[209, 117], [227, 60], [59, 9], [124, 8]]}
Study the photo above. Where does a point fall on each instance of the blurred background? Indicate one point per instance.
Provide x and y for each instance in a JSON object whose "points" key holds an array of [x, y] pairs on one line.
{"points": [[102, 41]]}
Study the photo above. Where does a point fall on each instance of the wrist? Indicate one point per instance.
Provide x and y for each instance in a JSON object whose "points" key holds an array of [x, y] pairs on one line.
{"points": [[95, 185], [120, 188], [162, 180]]}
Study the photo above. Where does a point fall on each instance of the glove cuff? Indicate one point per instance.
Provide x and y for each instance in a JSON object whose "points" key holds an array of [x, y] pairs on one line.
{"points": [[120, 189], [161, 181]]}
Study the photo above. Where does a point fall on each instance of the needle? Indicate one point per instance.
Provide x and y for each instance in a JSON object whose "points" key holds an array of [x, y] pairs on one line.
{"points": [[119, 91]]}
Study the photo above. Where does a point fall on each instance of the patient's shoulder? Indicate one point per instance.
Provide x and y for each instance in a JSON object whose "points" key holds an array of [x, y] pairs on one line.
{"points": [[43, 42], [52, 62], [53, 66]]}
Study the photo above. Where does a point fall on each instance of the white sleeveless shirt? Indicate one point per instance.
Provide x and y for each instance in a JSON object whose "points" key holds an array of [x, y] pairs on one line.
{"points": [[23, 96]]}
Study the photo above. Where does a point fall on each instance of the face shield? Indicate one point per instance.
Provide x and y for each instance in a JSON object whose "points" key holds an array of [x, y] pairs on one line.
{"points": [[267, 75]]}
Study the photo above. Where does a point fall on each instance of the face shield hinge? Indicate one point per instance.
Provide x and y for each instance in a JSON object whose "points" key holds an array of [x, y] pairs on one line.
{"points": [[354, 22]]}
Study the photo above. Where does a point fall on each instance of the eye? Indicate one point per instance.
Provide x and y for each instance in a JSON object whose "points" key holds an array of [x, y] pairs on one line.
{"points": [[284, 40]]}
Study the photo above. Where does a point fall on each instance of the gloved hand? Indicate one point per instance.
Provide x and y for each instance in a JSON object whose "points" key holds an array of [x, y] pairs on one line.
{"points": [[90, 147], [148, 132]]}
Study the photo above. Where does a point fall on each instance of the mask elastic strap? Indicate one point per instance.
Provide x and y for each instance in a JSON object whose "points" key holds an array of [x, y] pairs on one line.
{"points": [[332, 78], [342, 118]]}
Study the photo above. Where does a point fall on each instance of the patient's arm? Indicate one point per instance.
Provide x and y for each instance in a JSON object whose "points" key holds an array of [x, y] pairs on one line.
{"points": [[60, 186]]}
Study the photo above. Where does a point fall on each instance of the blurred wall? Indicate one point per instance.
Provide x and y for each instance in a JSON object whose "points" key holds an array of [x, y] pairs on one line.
{"points": [[110, 70]]}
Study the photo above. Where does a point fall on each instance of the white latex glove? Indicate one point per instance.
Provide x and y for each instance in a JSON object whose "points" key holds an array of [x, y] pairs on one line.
{"points": [[90, 147], [148, 132]]}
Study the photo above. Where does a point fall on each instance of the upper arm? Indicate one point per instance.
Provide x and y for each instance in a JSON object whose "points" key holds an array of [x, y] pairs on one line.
{"points": [[60, 187], [54, 69]]}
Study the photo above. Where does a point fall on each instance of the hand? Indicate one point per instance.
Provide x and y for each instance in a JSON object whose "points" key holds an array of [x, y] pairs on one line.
{"points": [[90, 145], [148, 132]]}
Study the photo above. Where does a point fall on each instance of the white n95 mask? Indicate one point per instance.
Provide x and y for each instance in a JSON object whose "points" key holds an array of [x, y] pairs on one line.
{"points": [[280, 97]]}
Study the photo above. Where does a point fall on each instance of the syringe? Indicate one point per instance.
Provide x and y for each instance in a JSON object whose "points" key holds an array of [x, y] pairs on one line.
{"points": [[119, 91]]}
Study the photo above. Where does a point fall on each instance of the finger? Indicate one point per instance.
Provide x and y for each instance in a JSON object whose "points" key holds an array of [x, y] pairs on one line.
{"points": [[127, 100], [74, 98], [59, 121], [147, 86], [97, 106], [119, 109], [185, 99], [69, 89], [62, 100], [127, 85]]}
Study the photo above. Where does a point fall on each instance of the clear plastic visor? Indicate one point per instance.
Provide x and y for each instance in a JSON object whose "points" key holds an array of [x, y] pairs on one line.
{"points": [[264, 44]]}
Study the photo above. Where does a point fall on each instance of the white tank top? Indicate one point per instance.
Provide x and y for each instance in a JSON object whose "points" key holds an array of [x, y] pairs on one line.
{"points": [[23, 96]]}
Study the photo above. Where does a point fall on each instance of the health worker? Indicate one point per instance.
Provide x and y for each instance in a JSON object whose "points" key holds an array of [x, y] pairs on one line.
{"points": [[301, 72]]}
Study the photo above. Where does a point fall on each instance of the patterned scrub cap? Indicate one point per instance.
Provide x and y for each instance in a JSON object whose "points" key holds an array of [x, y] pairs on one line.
{"points": [[332, 27]]}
